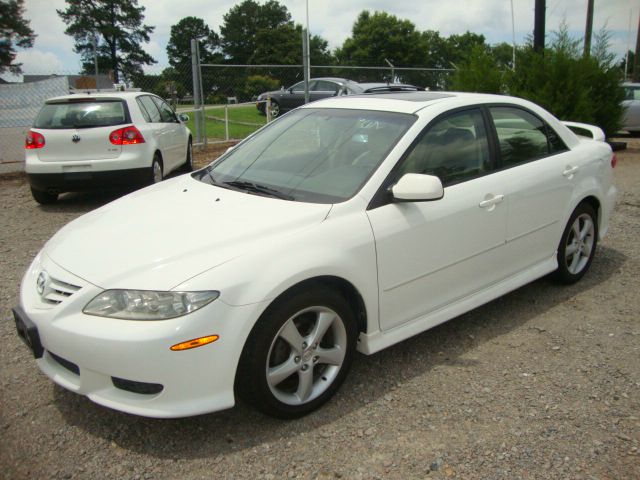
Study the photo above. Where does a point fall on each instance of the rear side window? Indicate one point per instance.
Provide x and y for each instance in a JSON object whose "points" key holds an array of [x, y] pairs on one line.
{"points": [[523, 136], [149, 109], [89, 113]]}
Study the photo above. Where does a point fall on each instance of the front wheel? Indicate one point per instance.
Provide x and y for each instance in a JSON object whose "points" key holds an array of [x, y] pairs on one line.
{"points": [[577, 245], [298, 354]]}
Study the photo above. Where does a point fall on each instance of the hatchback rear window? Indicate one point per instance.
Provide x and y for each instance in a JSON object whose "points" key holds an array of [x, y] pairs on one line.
{"points": [[82, 114]]}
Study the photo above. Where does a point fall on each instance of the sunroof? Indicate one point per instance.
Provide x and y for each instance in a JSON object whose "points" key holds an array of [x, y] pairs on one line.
{"points": [[409, 96]]}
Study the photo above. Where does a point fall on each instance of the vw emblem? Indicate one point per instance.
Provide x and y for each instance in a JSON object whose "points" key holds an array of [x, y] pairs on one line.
{"points": [[41, 283], [75, 138]]}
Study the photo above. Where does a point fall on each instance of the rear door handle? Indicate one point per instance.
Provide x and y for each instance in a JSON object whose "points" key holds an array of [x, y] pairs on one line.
{"points": [[569, 171]]}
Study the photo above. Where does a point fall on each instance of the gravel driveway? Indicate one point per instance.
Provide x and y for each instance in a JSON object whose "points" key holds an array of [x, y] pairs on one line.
{"points": [[542, 383]]}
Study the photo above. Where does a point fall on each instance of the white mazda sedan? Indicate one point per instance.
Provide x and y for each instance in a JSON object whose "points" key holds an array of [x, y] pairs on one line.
{"points": [[348, 224]]}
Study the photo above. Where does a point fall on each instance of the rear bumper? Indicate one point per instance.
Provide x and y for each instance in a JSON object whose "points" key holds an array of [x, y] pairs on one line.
{"points": [[89, 180]]}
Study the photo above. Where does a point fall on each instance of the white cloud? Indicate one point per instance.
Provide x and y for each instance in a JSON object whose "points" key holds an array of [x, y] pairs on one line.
{"points": [[39, 62]]}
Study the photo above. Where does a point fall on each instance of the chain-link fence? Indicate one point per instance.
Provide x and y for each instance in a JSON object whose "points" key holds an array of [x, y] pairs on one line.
{"points": [[222, 103]]}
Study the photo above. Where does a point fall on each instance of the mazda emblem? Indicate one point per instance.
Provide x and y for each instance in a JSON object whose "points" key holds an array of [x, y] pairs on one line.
{"points": [[41, 283], [75, 138]]}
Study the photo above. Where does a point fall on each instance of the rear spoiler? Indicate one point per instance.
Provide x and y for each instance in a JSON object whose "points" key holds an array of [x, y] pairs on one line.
{"points": [[585, 130]]}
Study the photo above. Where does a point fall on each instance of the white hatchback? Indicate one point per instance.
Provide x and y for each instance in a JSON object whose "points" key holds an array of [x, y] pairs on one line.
{"points": [[95, 141], [346, 225]]}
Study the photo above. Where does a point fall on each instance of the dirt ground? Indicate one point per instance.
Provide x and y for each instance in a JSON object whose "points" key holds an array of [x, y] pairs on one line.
{"points": [[542, 383]]}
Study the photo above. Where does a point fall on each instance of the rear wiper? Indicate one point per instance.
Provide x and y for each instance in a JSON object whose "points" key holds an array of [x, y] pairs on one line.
{"points": [[257, 188]]}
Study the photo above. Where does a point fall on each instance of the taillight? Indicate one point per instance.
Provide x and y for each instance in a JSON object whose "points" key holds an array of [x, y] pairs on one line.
{"points": [[614, 160], [33, 140], [126, 136]]}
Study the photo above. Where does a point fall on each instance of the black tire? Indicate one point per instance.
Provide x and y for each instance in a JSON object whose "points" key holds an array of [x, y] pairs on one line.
{"points": [[266, 348], [155, 171], [275, 109], [44, 198], [188, 164], [572, 266]]}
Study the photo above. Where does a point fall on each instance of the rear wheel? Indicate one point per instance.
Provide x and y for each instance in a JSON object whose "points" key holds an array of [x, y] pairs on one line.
{"points": [[298, 354], [275, 109], [44, 198], [156, 170], [578, 244]]}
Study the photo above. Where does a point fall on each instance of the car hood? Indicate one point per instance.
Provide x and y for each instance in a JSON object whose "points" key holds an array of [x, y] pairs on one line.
{"points": [[160, 236]]}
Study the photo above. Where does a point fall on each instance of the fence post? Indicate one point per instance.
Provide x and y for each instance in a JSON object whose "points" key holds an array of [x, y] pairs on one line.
{"points": [[226, 122], [195, 72], [267, 108]]}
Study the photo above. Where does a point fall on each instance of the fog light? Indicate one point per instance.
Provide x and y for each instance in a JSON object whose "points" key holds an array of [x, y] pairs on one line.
{"points": [[196, 342]]}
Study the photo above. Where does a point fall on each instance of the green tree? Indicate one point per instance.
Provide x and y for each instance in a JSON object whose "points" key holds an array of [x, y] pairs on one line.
{"points": [[479, 72], [503, 54], [244, 23], [379, 36], [179, 46], [629, 66], [567, 84], [14, 32], [119, 32], [458, 47]]}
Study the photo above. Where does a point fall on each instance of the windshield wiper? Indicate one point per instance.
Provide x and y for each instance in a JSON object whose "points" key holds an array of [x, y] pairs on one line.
{"points": [[257, 188]]}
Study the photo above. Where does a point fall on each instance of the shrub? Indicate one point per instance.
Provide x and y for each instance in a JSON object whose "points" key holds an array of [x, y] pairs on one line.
{"points": [[572, 87]]}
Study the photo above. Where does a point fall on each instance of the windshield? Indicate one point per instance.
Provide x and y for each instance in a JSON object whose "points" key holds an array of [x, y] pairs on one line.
{"points": [[311, 155], [88, 113]]}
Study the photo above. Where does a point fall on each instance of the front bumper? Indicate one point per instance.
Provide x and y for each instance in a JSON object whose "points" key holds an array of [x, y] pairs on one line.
{"points": [[102, 358]]}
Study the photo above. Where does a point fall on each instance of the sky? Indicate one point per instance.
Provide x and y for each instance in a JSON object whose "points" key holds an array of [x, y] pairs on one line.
{"points": [[332, 19]]}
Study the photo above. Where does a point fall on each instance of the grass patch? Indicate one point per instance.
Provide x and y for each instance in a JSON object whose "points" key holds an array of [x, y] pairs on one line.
{"points": [[237, 116]]}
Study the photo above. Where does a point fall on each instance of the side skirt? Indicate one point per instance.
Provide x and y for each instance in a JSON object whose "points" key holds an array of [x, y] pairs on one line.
{"points": [[376, 341]]}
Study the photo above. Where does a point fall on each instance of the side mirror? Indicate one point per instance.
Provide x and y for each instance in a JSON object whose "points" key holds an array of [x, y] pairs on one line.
{"points": [[183, 117], [415, 187]]}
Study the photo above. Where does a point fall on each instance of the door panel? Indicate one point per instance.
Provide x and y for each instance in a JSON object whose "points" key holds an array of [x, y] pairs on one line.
{"points": [[539, 185], [433, 253]]}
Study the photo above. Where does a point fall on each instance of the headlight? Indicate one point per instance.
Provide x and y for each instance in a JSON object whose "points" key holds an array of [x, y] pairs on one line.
{"points": [[147, 305]]}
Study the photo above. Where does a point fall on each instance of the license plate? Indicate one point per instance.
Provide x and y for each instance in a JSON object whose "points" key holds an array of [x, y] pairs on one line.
{"points": [[28, 332]]}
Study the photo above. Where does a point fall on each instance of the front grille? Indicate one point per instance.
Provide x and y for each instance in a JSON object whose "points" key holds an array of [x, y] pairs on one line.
{"points": [[58, 290], [137, 387], [72, 367]]}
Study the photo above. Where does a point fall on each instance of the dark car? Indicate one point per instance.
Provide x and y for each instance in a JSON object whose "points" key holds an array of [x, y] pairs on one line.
{"points": [[287, 99]]}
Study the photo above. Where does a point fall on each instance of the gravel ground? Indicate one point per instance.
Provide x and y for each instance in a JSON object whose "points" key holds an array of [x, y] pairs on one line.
{"points": [[542, 383]]}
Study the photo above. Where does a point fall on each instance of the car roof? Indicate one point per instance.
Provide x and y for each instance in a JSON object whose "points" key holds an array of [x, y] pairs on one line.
{"points": [[412, 102], [83, 95]]}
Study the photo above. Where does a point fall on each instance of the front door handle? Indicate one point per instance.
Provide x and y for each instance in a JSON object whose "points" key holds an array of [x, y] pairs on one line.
{"points": [[569, 171], [491, 200]]}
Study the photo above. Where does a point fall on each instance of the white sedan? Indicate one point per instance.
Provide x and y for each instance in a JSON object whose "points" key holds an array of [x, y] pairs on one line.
{"points": [[94, 141], [347, 225]]}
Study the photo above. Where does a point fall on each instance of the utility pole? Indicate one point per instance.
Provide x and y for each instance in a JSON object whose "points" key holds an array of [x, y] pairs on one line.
{"points": [[636, 65], [538, 26], [588, 29]]}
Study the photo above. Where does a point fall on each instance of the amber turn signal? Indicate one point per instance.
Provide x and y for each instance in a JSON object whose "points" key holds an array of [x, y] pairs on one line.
{"points": [[196, 342]]}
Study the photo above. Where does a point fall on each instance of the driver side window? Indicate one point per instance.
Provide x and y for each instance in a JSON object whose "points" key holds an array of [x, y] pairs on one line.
{"points": [[454, 148]]}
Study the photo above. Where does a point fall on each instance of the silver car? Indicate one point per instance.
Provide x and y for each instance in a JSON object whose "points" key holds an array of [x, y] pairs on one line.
{"points": [[631, 118]]}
